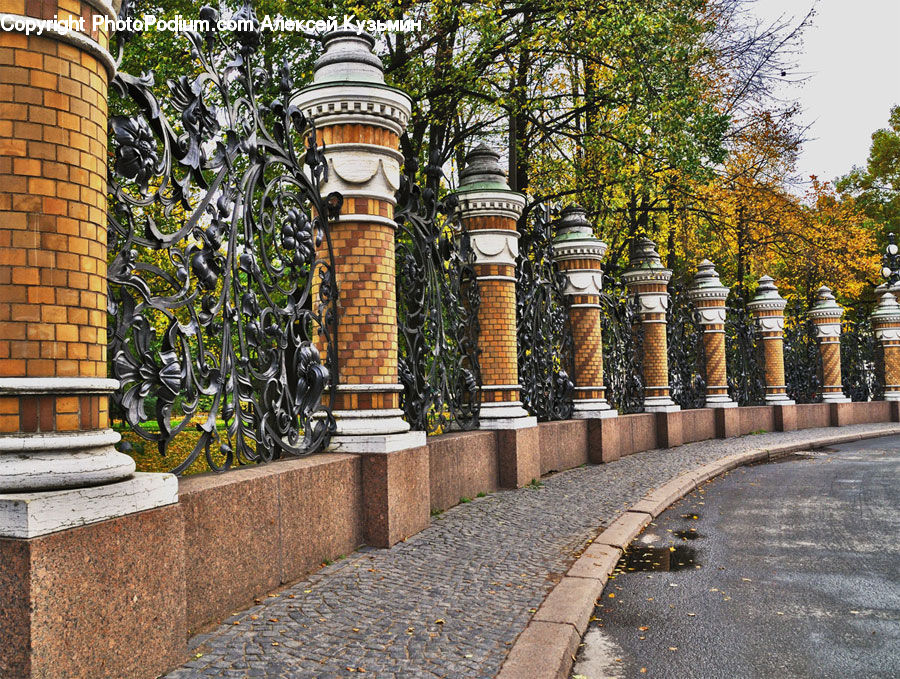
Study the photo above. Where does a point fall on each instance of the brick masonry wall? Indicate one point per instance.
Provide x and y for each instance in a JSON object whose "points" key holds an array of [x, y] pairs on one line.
{"points": [[831, 366], [364, 257], [892, 365], [588, 337], [714, 350], [497, 339], [53, 142], [498, 344], [656, 362], [773, 353]]}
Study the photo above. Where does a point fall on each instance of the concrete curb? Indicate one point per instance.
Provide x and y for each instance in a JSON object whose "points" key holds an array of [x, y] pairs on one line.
{"points": [[546, 648]]}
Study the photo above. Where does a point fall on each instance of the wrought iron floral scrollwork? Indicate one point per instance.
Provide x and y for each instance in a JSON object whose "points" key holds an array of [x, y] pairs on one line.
{"points": [[860, 354], [221, 285], [746, 376], [545, 343], [802, 360], [685, 344], [623, 341], [437, 300]]}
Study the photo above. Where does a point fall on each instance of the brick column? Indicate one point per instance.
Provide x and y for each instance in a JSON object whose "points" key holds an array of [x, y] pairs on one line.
{"points": [[360, 120], [85, 574], [886, 324], [579, 254], [489, 212], [767, 308], [54, 423], [826, 315], [648, 280], [709, 295]]}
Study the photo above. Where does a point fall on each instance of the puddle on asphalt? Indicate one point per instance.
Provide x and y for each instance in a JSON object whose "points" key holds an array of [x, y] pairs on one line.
{"points": [[641, 559]]}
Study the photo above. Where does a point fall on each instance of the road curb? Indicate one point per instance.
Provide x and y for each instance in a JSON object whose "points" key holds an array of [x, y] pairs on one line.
{"points": [[545, 649]]}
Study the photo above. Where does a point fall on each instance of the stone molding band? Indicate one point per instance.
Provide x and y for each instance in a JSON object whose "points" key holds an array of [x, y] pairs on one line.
{"points": [[73, 38], [52, 442], [17, 386]]}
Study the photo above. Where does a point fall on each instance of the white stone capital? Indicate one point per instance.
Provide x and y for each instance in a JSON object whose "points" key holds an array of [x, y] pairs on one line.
{"points": [[495, 246], [825, 330], [653, 302], [711, 315], [770, 323], [583, 282]]}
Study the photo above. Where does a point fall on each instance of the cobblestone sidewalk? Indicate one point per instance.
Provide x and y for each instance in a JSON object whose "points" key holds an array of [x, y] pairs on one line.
{"points": [[449, 601]]}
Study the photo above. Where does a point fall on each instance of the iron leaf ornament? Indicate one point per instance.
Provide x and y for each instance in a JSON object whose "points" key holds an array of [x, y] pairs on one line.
{"points": [[437, 304], [545, 343], [222, 287]]}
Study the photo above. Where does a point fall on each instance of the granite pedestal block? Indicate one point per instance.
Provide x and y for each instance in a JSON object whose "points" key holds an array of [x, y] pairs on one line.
{"points": [[785, 417], [518, 456], [396, 495], [728, 423], [102, 600], [669, 430], [604, 439]]}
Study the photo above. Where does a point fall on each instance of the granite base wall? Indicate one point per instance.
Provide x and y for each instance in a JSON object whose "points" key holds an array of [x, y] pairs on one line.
{"points": [[155, 578], [252, 530], [102, 600], [462, 465], [756, 419], [637, 433], [698, 424], [861, 413], [563, 445], [812, 415]]}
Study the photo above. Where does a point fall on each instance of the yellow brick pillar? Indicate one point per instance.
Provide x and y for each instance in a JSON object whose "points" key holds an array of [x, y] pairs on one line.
{"points": [[826, 316], [490, 211], [767, 308], [579, 255], [360, 120], [54, 424], [85, 572], [886, 324], [648, 280], [709, 295]]}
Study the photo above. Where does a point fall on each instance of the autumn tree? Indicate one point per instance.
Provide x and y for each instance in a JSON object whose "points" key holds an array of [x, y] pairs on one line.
{"points": [[876, 187]]}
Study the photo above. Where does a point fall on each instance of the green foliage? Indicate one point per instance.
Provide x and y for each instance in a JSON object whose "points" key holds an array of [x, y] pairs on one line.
{"points": [[876, 187]]}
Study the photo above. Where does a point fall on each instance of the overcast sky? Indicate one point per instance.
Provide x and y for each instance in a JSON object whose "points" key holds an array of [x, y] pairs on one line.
{"points": [[852, 55]]}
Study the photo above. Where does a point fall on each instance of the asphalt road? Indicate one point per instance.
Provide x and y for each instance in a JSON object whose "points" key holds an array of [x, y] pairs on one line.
{"points": [[789, 569]]}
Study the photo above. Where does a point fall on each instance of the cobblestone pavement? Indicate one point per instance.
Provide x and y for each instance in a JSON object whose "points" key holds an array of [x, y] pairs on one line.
{"points": [[450, 600]]}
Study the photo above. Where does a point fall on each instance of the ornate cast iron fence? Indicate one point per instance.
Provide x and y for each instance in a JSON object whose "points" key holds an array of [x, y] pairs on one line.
{"points": [[623, 341], [802, 361], [746, 377], [684, 337], [859, 358], [545, 344], [221, 282], [437, 304]]}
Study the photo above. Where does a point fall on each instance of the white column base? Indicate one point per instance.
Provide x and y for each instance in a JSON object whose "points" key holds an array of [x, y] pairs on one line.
{"points": [[835, 397], [29, 515], [660, 404], [892, 396], [779, 400], [592, 408], [373, 431], [505, 415], [719, 401], [39, 462], [377, 443]]}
